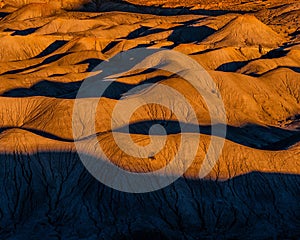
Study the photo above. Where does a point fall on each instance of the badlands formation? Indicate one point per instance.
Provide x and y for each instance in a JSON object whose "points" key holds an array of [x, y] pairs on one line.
{"points": [[250, 49]]}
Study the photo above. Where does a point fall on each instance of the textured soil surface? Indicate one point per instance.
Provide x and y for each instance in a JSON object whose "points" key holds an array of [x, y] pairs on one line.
{"points": [[251, 50]]}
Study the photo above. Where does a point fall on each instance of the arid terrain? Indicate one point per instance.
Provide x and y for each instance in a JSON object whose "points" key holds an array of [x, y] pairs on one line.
{"points": [[251, 50]]}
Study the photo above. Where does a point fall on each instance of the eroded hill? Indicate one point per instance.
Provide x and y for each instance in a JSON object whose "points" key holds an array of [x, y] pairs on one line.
{"points": [[47, 52]]}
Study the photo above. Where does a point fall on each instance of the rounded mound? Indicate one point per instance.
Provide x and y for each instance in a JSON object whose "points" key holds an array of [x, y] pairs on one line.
{"points": [[245, 30]]}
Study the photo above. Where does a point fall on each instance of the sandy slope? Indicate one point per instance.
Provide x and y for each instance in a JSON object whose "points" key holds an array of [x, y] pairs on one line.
{"points": [[46, 53], [254, 67]]}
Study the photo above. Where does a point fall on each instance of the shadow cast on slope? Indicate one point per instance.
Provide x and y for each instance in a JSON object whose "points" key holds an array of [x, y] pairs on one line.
{"points": [[295, 69], [24, 32], [3, 15], [143, 31], [253, 136], [52, 48], [250, 135], [47, 60], [185, 33], [39, 133], [254, 74], [273, 54], [51, 195], [190, 34], [69, 90], [232, 66], [125, 6]]}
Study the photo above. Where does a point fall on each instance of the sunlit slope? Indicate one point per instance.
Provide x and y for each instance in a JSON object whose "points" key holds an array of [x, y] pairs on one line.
{"points": [[251, 50], [47, 53]]}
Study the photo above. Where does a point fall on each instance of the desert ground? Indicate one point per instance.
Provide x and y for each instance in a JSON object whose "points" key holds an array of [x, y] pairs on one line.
{"points": [[250, 49]]}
